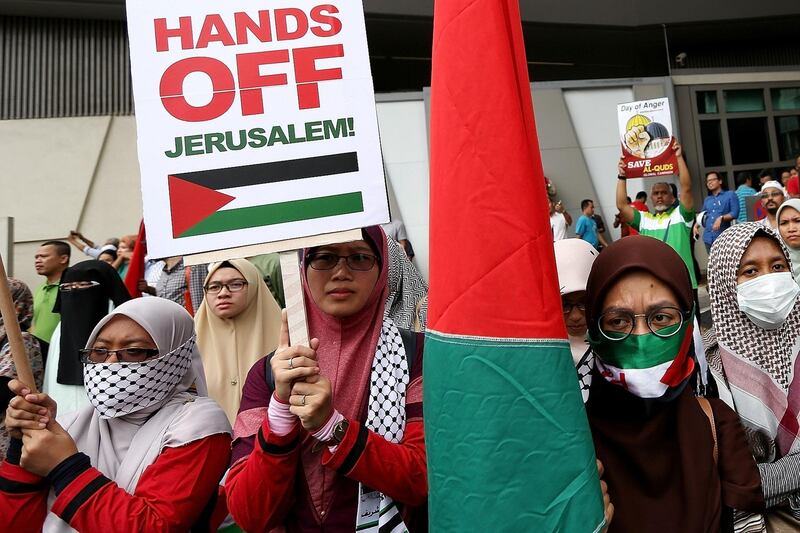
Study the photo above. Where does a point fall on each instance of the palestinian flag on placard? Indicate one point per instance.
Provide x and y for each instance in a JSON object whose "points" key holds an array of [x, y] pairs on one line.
{"points": [[508, 443], [196, 203]]}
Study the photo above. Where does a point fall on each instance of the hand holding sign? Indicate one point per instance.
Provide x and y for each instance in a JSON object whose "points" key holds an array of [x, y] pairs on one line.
{"points": [[292, 363], [28, 410], [311, 403], [636, 140]]}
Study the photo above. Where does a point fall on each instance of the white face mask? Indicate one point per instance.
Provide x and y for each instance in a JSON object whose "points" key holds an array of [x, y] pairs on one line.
{"points": [[119, 389], [768, 300]]}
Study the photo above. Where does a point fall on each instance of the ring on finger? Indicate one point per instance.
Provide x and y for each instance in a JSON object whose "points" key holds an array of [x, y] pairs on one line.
{"points": [[304, 399], [291, 363]]}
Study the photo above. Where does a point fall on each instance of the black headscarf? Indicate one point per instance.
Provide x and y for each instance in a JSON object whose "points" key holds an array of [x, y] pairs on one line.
{"points": [[658, 455], [81, 310]]}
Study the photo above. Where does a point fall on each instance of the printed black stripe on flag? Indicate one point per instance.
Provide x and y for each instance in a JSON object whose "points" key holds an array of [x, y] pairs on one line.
{"points": [[274, 172]]}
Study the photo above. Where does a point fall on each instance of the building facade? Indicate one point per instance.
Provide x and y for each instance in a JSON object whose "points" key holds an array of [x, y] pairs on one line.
{"points": [[730, 69]]}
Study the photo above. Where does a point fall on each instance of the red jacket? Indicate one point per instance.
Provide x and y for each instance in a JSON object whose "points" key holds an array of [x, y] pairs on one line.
{"points": [[266, 486], [173, 494]]}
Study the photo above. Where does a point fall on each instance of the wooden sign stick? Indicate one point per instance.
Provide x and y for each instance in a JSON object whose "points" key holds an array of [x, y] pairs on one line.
{"points": [[13, 333], [293, 294]]}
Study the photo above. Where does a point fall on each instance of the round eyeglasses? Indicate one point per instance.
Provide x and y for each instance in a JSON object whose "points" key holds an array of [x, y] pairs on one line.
{"points": [[568, 307], [125, 355], [618, 324], [328, 261]]}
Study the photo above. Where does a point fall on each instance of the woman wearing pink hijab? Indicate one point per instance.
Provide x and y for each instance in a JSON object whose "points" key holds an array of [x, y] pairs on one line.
{"points": [[329, 436]]}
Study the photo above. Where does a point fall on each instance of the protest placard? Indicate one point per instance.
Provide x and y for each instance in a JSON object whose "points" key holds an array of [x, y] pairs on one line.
{"points": [[256, 122], [645, 131]]}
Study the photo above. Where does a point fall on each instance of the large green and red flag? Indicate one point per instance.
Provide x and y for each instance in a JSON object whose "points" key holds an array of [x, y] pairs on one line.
{"points": [[509, 447]]}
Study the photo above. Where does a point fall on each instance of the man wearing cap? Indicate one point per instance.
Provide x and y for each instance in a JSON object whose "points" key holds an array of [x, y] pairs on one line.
{"points": [[772, 196]]}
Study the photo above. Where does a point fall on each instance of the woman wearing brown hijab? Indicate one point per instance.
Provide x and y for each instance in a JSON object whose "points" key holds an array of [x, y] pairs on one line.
{"points": [[666, 468]]}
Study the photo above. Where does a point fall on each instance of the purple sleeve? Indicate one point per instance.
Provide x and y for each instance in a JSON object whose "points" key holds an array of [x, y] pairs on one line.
{"points": [[414, 394], [256, 395]]}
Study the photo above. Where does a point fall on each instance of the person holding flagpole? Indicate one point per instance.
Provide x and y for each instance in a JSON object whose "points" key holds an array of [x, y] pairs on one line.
{"points": [[146, 455]]}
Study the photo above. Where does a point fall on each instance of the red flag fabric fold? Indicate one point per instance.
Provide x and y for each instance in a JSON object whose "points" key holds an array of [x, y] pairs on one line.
{"points": [[136, 264]]}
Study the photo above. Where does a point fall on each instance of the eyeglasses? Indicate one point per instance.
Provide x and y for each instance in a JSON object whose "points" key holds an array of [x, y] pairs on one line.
{"points": [[568, 307], [125, 355], [664, 322], [766, 195], [232, 286], [328, 261], [77, 285]]}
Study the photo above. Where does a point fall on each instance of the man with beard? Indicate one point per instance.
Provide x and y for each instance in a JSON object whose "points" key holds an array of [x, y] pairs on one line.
{"points": [[671, 221], [772, 196]]}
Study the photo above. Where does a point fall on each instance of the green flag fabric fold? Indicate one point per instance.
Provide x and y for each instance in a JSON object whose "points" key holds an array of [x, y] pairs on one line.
{"points": [[509, 447]]}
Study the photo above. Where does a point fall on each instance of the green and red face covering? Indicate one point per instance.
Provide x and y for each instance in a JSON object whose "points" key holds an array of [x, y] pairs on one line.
{"points": [[646, 365]]}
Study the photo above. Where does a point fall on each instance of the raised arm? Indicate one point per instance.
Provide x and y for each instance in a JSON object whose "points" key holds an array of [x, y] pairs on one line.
{"points": [[625, 210], [88, 242], [687, 200]]}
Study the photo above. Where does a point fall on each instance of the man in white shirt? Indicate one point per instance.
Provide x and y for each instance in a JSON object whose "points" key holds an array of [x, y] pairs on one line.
{"points": [[559, 220], [772, 196]]}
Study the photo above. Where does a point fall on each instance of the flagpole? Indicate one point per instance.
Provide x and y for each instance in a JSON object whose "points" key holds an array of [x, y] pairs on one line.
{"points": [[13, 333]]}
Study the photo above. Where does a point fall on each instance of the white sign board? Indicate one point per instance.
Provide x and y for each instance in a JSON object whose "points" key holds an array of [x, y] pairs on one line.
{"points": [[256, 122]]}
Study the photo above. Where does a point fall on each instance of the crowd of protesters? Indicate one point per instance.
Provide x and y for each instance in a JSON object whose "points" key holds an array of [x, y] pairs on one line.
{"points": [[171, 398]]}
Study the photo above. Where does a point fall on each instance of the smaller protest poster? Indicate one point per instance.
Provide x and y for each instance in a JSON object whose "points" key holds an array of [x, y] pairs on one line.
{"points": [[645, 130]]}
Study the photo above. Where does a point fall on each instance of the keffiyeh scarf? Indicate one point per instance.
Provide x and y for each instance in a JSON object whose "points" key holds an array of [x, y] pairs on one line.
{"points": [[377, 512], [406, 289], [756, 370]]}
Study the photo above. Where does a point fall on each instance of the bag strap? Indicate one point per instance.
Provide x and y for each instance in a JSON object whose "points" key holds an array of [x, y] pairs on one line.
{"points": [[706, 407], [187, 294], [409, 339]]}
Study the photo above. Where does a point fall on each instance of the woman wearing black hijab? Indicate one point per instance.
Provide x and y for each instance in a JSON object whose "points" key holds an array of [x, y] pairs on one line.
{"points": [[83, 299], [673, 462]]}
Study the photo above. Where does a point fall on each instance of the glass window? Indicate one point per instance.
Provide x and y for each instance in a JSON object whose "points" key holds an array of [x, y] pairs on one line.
{"points": [[726, 183], [749, 140], [707, 102], [744, 100], [755, 174], [711, 139], [786, 98], [788, 131]]}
